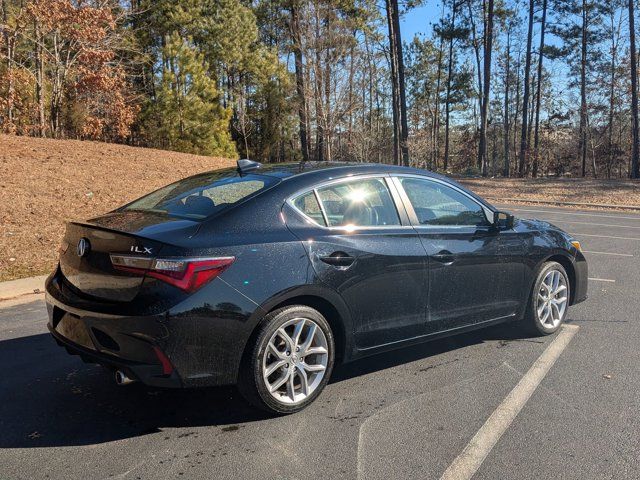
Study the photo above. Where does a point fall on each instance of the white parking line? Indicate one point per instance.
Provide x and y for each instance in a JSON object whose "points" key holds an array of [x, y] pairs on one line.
{"points": [[467, 463], [602, 280], [598, 224], [608, 253], [604, 236], [556, 212]]}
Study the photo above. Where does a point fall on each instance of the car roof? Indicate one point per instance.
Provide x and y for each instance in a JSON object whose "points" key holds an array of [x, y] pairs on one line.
{"points": [[305, 174], [289, 170]]}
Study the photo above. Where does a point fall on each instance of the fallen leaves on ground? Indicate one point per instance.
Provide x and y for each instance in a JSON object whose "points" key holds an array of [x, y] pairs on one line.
{"points": [[44, 183]]}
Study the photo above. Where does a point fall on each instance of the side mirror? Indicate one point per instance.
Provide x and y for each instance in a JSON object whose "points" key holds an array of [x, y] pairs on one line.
{"points": [[502, 220]]}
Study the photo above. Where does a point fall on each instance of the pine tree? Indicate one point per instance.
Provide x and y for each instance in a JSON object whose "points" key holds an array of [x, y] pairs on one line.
{"points": [[188, 109]]}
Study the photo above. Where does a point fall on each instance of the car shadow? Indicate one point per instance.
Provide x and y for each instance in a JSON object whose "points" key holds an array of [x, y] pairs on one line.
{"points": [[48, 398], [504, 333]]}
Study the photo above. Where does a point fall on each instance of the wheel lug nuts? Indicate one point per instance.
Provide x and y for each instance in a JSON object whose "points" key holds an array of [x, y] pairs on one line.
{"points": [[288, 353], [297, 349], [286, 366]]}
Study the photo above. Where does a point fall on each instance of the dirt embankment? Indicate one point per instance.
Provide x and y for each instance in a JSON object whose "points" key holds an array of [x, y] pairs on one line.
{"points": [[574, 190], [44, 183]]}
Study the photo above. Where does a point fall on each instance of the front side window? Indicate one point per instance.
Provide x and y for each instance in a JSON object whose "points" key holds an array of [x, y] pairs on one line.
{"points": [[356, 203], [438, 204]]}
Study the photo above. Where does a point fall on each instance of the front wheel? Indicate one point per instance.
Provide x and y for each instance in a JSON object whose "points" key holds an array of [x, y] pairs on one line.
{"points": [[290, 360], [549, 300]]}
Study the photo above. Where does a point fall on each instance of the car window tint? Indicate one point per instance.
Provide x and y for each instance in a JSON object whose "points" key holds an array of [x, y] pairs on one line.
{"points": [[362, 203], [438, 204], [308, 204], [203, 195]]}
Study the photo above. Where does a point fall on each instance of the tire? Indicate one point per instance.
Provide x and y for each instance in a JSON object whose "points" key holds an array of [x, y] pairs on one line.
{"points": [[272, 356], [547, 309]]}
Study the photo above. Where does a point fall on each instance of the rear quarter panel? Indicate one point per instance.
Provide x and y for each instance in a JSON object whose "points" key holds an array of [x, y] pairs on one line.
{"points": [[271, 268]]}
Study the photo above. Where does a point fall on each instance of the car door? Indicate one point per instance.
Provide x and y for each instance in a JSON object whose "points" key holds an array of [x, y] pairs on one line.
{"points": [[472, 279], [361, 244]]}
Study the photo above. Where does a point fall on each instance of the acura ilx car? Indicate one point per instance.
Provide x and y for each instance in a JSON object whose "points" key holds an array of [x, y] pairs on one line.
{"points": [[266, 276]]}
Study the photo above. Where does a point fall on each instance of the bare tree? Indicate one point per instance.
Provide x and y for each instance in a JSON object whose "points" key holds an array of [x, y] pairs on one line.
{"points": [[506, 114], [447, 103], [488, 47], [401, 129], [536, 134], [635, 172], [524, 138], [296, 38]]}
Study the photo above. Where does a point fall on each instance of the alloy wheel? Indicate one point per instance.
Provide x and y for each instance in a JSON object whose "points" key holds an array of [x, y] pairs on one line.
{"points": [[295, 360], [552, 299]]}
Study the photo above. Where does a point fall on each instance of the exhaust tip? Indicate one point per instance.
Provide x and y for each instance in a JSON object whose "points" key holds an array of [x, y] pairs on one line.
{"points": [[122, 378]]}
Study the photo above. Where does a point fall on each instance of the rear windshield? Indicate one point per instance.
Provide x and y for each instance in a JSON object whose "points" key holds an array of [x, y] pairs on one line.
{"points": [[203, 195]]}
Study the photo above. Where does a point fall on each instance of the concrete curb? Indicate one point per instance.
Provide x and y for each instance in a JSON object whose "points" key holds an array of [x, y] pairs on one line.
{"points": [[22, 286], [635, 208]]}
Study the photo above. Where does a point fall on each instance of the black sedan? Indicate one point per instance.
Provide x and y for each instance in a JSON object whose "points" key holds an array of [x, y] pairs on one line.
{"points": [[265, 276]]}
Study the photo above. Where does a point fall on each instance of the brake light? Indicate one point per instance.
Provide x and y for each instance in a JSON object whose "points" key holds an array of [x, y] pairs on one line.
{"points": [[188, 274]]}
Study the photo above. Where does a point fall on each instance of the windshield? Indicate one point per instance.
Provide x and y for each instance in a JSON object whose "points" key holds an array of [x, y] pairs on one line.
{"points": [[202, 195]]}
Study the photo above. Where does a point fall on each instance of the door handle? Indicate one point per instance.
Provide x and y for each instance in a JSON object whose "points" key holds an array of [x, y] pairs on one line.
{"points": [[444, 256], [338, 259]]}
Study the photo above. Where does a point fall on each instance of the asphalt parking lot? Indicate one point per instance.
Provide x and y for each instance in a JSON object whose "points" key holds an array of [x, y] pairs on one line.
{"points": [[405, 414]]}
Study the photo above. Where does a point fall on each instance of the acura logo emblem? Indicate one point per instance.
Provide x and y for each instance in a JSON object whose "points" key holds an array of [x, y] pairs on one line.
{"points": [[83, 247]]}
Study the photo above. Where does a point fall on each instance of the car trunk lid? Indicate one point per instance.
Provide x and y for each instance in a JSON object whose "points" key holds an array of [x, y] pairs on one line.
{"points": [[85, 256]]}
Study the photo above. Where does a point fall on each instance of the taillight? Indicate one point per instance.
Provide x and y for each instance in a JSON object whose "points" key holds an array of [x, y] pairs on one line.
{"points": [[188, 274]]}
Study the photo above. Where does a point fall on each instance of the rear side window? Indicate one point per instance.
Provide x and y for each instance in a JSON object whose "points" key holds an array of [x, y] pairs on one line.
{"points": [[308, 204], [356, 203], [438, 204], [203, 195]]}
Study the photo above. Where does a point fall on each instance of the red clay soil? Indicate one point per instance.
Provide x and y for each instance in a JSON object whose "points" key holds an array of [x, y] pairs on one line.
{"points": [[44, 183]]}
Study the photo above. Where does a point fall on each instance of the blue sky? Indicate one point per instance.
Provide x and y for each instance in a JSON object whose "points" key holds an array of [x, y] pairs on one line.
{"points": [[419, 20]]}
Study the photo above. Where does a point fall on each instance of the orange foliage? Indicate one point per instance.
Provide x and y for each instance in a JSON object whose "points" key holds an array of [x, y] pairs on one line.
{"points": [[88, 90]]}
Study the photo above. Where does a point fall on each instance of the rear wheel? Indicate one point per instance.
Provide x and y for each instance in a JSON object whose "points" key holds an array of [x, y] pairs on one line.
{"points": [[290, 361], [549, 300]]}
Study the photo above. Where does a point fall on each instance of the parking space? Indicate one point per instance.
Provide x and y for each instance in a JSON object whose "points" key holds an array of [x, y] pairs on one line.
{"points": [[405, 414]]}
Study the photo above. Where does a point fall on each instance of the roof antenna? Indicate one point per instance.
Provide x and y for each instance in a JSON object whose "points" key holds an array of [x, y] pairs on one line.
{"points": [[245, 166]]}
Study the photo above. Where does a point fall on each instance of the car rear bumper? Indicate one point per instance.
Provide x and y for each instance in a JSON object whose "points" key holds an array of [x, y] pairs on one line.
{"points": [[198, 342], [149, 374]]}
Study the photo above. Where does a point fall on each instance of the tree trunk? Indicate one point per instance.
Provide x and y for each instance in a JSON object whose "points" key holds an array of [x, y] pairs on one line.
{"points": [[401, 130], [351, 102], [583, 90], [635, 172], [39, 78], [447, 103], [488, 47], [435, 135], [536, 134], [516, 112], [524, 140], [612, 95], [327, 115], [507, 81], [319, 89], [404, 128], [300, 84], [476, 50], [9, 41]]}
